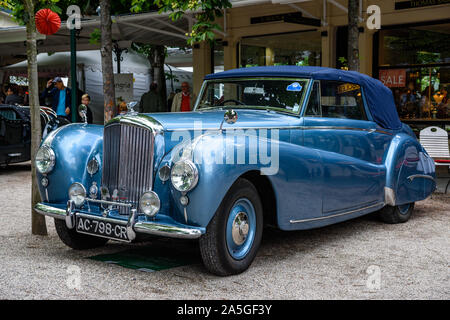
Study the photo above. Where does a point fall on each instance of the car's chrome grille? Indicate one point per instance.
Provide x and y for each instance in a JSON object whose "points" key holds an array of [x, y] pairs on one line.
{"points": [[127, 162]]}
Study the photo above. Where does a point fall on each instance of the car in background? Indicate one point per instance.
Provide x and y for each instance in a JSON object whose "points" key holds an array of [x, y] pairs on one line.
{"points": [[294, 147], [15, 131]]}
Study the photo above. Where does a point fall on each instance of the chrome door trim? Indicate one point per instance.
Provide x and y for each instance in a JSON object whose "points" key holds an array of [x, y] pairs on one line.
{"points": [[414, 176], [338, 215]]}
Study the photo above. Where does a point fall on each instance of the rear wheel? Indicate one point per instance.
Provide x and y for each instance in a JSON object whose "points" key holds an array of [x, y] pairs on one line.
{"points": [[396, 214], [233, 236], [75, 240]]}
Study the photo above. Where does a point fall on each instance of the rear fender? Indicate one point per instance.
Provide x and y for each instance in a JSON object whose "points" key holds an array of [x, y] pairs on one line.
{"points": [[410, 171]]}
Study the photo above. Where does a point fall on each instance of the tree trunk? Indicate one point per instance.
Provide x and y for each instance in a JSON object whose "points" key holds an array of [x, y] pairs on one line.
{"points": [[353, 35], [157, 58], [38, 226], [107, 61]]}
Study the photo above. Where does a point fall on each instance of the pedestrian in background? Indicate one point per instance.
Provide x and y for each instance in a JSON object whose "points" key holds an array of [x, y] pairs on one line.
{"points": [[183, 101], [61, 97], [85, 99], [12, 96], [151, 101]]}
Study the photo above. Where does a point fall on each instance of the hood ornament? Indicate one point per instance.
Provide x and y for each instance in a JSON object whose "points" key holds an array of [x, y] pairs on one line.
{"points": [[230, 116], [131, 106], [82, 111]]}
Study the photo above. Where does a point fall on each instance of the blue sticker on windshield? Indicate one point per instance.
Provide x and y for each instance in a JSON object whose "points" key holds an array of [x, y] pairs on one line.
{"points": [[294, 87]]}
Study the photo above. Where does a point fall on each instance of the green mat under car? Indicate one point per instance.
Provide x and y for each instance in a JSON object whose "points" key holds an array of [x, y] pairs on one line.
{"points": [[149, 258]]}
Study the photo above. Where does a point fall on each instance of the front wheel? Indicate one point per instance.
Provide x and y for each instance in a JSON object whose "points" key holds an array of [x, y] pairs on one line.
{"points": [[396, 214], [234, 234]]}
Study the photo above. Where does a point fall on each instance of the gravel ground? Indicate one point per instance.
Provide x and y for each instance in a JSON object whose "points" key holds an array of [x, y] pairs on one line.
{"points": [[344, 261]]}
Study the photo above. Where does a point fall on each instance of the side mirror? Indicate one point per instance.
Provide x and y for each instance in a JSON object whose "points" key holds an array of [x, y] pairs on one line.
{"points": [[82, 111]]}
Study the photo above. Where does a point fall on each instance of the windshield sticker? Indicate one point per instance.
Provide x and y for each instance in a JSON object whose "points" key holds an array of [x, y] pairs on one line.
{"points": [[294, 87], [296, 107]]}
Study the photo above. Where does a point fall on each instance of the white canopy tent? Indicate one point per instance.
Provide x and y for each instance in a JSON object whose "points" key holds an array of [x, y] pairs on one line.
{"points": [[89, 74]]}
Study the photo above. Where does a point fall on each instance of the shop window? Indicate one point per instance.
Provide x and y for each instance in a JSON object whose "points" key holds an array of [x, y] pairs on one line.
{"points": [[416, 45], [217, 56], [414, 62], [419, 92], [299, 48]]}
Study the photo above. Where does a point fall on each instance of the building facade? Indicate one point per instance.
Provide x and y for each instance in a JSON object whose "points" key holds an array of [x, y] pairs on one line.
{"points": [[410, 53]]}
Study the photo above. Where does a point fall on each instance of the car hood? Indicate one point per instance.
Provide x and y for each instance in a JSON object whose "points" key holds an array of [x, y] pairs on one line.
{"points": [[211, 120]]}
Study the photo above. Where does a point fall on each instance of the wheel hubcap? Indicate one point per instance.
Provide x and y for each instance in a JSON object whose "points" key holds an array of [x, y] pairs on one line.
{"points": [[240, 228]]}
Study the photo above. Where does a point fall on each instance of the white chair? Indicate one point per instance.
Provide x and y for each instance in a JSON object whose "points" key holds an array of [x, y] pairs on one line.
{"points": [[435, 142]]}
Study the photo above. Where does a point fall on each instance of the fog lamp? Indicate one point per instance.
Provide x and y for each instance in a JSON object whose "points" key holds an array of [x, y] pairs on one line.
{"points": [[149, 203], [77, 193]]}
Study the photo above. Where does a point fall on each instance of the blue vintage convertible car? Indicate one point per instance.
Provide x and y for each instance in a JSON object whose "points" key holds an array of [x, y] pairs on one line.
{"points": [[294, 147]]}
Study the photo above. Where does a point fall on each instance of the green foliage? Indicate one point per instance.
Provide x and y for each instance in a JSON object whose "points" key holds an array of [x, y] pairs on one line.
{"points": [[95, 36], [206, 12], [59, 6]]}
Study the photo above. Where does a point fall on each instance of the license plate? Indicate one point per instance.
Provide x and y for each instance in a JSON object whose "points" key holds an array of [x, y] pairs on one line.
{"points": [[106, 229]]}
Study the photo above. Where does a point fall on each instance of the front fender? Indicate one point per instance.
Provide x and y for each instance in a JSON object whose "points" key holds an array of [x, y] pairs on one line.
{"points": [[220, 162], [74, 145]]}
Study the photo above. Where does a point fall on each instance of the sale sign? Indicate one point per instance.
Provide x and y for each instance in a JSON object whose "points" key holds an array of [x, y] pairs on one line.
{"points": [[393, 78]]}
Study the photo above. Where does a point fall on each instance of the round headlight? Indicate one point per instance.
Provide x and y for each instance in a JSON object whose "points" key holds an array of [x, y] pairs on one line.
{"points": [[184, 175], [92, 166], [77, 193], [45, 159], [149, 203]]}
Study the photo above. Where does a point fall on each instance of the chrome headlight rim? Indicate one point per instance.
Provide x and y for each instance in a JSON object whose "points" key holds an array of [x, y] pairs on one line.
{"points": [[150, 210], [76, 201], [194, 169], [92, 166], [51, 158]]}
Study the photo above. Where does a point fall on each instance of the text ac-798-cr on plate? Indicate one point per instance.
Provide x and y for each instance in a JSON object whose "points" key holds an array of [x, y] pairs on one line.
{"points": [[106, 229]]}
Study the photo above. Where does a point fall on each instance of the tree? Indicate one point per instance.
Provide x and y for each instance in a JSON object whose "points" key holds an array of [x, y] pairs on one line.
{"points": [[107, 61], [23, 12], [353, 35], [38, 225], [205, 13]]}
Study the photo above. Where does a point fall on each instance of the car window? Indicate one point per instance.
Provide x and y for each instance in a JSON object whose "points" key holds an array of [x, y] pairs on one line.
{"points": [[341, 100], [8, 114], [313, 108], [259, 93]]}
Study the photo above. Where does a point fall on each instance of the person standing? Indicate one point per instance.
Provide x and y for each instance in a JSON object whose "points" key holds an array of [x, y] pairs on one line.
{"points": [[12, 96], [61, 97], [85, 99], [151, 101], [183, 101]]}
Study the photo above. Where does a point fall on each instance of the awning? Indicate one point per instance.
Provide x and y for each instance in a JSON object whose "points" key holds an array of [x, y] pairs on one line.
{"points": [[152, 28]]}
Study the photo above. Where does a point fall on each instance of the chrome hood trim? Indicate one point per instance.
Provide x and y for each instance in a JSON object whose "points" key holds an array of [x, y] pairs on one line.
{"points": [[139, 120]]}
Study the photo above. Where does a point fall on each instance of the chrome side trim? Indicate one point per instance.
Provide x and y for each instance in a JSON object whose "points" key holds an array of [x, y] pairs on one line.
{"points": [[50, 211], [389, 196], [165, 230], [337, 215], [425, 176], [289, 128]]}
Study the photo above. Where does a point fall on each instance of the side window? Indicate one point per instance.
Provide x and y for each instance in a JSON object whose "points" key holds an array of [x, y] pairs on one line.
{"points": [[313, 108], [342, 100]]}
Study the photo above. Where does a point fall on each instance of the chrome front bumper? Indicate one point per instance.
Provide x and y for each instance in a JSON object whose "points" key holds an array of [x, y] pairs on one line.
{"points": [[133, 225]]}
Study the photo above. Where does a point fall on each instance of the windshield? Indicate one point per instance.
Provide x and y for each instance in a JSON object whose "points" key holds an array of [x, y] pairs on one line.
{"points": [[262, 93]]}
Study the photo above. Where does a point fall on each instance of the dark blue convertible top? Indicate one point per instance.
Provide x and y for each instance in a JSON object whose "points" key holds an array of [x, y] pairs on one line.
{"points": [[378, 97]]}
